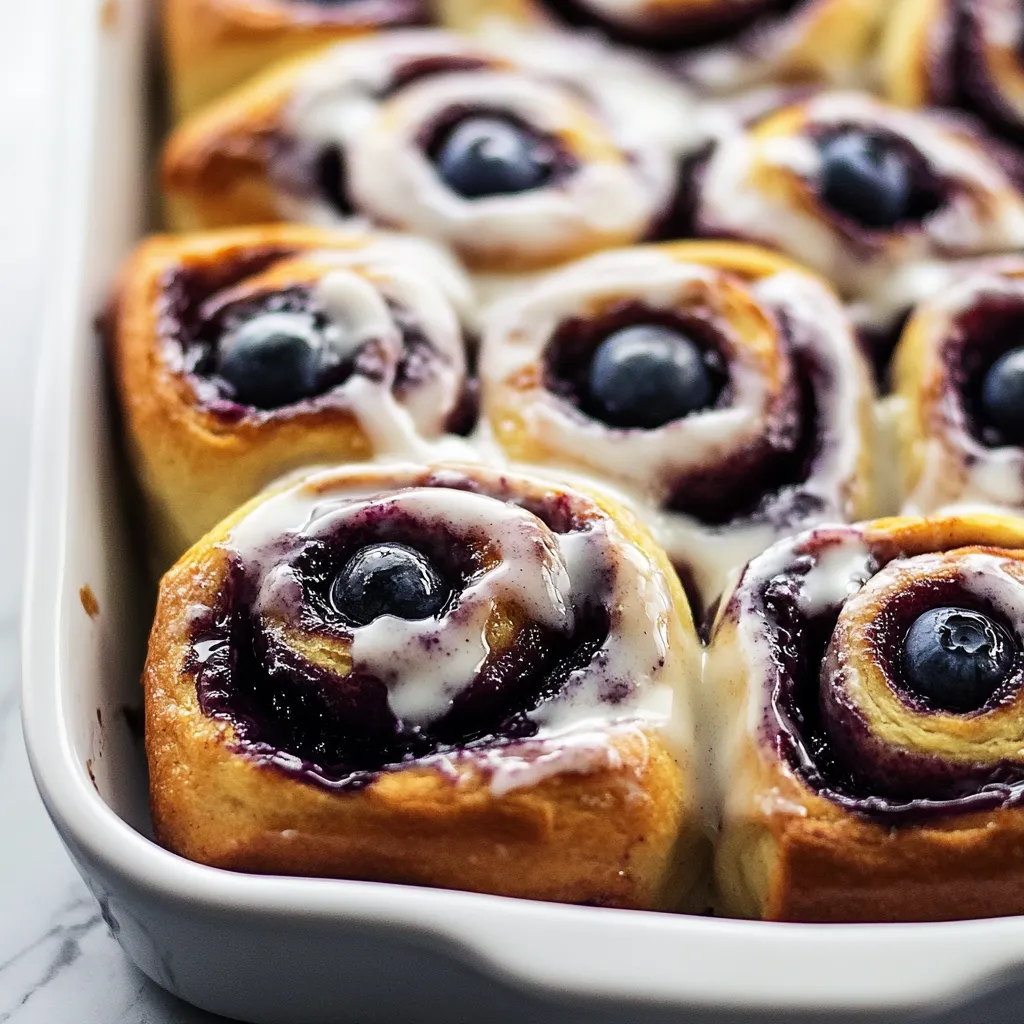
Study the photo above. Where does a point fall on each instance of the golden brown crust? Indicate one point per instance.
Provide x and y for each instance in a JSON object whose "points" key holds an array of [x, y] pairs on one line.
{"points": [[194, 465], [789, 854], [214, 45], [624, 835], [905, 50], [227, 148]]}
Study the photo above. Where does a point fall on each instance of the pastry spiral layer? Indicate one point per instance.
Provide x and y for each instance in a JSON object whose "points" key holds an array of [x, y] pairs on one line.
{"points": [[721, 46], [959, 370], [964, 54], [865, 686], [241, 355], [213, 45], [883, 202], [762, 430], [517, 158], [448, 675]]}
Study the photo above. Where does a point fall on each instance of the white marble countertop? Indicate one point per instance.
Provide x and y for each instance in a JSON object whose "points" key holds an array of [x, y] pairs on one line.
{"points": [[58, 963]]}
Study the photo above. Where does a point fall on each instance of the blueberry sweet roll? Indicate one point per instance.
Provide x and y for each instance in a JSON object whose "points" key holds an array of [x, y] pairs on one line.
{"points": [[241, 355], [882, 201], [959, 371], [962, 54], [721, 46], [718, 385], [516, 160], [447, 676], [865, 683], [213, 45]]}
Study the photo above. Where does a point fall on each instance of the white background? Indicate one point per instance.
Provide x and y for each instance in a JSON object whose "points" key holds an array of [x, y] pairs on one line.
{"points": [[58, 964]]}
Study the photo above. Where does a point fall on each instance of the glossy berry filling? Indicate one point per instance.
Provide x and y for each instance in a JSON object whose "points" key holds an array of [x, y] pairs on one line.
{"points": [[647, 375], [388, 579], [337, 729], [636, 367], [875, 180], [976, 666], [485, 155], [956, 658]]}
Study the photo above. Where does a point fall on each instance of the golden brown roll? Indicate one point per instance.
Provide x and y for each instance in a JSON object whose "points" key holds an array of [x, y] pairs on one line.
{"points": [[446, 675], [866, 687], [885, 203], [959, 374], [241, 355], [721, 46], [718, 385], [517, 157], [213, 45], [963, 54]]}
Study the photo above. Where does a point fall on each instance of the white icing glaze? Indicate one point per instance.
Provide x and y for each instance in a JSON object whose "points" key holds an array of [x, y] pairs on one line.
{"points": [[362, 290], [956, 467], [559, 86], [981, 575], [1001, 23], [985, 214], [644, 464], [427, 663], [838, 571]]}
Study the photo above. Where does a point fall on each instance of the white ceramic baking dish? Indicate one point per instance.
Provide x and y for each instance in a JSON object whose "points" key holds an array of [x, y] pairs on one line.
{"points": [[306, 951]]}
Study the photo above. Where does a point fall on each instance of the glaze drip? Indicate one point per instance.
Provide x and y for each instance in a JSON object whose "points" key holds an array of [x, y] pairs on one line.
{"points": [[538, 639]]}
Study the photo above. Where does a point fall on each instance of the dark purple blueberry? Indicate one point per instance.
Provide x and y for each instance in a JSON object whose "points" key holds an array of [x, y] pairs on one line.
{"points": [[1002, 395], [489, 156], [646, 376], [956, 658], [865, 177], [272, 360], [388, 579]]}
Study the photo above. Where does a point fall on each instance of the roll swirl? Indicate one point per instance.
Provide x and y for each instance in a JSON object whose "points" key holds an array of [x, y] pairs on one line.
{"points": [[428, 663], [867, 706], [885, 203], [718, 385], [517, 157], [244, 354]]}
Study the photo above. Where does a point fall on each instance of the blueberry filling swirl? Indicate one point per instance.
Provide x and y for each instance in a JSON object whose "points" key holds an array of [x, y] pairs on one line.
{"points": [[888, 682], [724, 403], [882, 201], [376, 329], [529, 151], [419, 615]]}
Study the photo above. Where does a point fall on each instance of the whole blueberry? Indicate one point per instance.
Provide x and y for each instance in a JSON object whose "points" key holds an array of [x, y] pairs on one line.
{"points": [[272, 360], [956, 658], [866, 177], [388, 579], [489, 156], [1002, 395], [646, 376]]}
